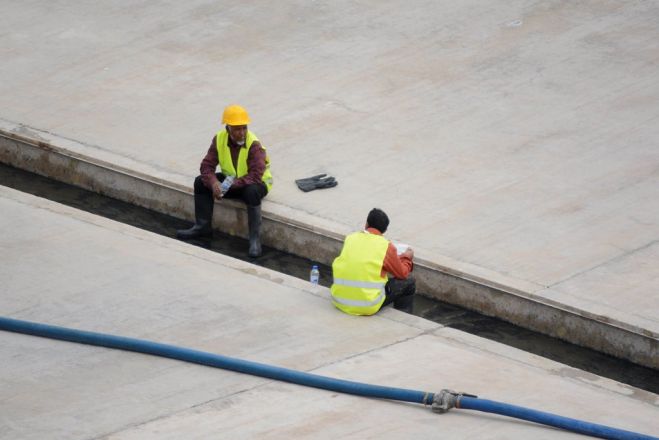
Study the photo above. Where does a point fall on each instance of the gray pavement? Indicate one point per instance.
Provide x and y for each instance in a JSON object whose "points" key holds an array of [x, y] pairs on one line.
{"points": [[70, 268], [510, 142]]}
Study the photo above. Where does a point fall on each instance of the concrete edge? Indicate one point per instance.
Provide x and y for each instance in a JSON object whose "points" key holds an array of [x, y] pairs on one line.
{"points": [[298, 233]]}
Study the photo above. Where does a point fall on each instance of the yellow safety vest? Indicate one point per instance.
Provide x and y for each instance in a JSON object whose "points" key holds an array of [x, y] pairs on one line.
{"points": [[358, 287], [226, 163]]}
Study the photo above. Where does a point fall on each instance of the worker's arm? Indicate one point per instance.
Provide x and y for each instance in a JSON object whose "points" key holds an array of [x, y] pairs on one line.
{"points": [[208, 167], [255, 166], [399, 266]]}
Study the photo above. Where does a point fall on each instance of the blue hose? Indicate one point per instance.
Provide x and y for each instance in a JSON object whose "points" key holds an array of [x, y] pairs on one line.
{"points": [[544, 418], [214, 360], [308, 379]]}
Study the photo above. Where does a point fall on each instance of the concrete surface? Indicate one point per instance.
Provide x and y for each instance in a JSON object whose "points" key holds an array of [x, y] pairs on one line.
{"points": [[67, 267], [513, 143]]}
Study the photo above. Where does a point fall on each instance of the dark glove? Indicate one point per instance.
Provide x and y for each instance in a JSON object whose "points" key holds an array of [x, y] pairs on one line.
{"points": [[316, 182]]}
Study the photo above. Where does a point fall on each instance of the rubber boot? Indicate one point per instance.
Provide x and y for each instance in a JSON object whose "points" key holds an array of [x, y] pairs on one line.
{"points": [[404, 304], [203, 210], [254, 223], [403, 293]]}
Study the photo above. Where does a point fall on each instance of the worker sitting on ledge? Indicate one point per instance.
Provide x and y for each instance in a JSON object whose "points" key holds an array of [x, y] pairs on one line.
{"points": [[244, 172], [369, 273]]}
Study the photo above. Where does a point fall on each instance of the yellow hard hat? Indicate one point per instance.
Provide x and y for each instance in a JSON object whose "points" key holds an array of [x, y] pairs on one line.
{"points": [[235, 115]]}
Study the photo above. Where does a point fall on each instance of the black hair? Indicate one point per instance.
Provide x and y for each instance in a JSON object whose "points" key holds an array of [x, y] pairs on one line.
{"points": [[378, 219]]}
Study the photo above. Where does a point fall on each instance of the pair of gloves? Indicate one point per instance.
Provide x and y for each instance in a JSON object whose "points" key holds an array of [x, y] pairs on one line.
{"points": [[319, 181]]}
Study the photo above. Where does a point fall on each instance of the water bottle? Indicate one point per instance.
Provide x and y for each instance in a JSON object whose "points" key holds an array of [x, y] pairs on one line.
{"points": [[226, 184], [314, 275]]}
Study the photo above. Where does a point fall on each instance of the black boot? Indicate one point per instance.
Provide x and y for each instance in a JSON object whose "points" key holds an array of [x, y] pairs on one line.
{"points": [[203, 210], [401, 292], [405, 304], [254, 223]]}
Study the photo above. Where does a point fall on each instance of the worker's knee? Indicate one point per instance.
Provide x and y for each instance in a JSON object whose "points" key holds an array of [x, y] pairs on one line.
{"points": [[252, 194], [397, 287], [199, 187]]}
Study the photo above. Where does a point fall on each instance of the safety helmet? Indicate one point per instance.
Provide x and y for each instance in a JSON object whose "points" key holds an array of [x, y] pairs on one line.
{"points": [[235, 115]]}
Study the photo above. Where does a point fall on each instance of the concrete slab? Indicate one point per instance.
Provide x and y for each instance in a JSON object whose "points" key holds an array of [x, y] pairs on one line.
{"points": [[512, 143], [71, 268]]}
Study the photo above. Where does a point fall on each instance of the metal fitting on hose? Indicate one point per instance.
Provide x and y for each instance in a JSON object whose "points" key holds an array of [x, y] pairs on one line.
{"points": [[447, 399]]}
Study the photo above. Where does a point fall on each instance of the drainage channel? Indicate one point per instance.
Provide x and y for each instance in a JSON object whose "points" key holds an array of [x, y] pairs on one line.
{"points": [[431, 309]]}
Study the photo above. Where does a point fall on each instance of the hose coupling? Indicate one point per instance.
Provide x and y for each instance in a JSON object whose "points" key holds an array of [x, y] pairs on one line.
{"points": [[447, 399]]}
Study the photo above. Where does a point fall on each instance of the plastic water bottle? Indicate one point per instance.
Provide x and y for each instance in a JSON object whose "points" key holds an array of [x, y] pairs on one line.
{"points": [[314, 275], [226, 184]]}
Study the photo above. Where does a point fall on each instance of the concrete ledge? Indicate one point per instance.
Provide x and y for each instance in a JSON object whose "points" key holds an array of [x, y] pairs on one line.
{"points": [[452, 281]]}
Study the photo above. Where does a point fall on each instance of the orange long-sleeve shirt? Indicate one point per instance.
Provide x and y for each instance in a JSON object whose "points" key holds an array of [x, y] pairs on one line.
{"points": [[398, 266]]}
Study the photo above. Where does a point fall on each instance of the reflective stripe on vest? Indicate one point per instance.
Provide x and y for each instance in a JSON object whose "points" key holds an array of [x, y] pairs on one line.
{"points": [[358, 287], [226, 162], [362, 284], [356, 302]]}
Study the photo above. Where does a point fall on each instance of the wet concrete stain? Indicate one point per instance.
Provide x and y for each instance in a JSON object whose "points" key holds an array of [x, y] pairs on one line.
{"points": [[442, 313]]}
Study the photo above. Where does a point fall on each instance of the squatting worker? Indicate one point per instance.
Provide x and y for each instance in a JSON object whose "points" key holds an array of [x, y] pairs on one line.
{"points": [[239, 154], [369, 273]]}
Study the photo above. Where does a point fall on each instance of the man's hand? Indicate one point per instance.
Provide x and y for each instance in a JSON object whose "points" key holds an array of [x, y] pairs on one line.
{"points": [[217, 191], [409, 253]]}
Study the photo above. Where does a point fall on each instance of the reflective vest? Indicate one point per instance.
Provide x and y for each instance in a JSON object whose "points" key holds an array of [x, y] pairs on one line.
{"points": [[358, 287], [226, 163]]}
